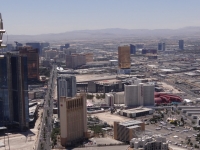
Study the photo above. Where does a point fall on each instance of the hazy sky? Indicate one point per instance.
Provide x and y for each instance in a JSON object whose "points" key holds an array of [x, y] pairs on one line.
{"points": [[55, 16]]}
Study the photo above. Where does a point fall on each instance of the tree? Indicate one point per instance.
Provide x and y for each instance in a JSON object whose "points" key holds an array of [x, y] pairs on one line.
{"points": [[189, 140]]}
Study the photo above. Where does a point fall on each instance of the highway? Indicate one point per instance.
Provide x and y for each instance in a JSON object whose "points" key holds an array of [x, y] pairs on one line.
{"points": [[44, 136]]}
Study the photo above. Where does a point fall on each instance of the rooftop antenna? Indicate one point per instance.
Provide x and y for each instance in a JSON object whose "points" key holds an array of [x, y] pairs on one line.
{"points": [[2, 31]]}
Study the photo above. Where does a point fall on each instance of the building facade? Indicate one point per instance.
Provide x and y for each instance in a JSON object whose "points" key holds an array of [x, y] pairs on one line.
{"points": [[161, 46], [32, 61], [75, 60], [14, 108], [1, 32], [155, 142], [35, 46], [124, 59], [89, 57], [66, 86], [139, 95], [132, 49], [181, 44], [125, 131], [73, 119], [50, 54]]}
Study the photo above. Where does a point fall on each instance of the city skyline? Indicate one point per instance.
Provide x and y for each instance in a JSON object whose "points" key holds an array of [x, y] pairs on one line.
{"points": [[31, 18]]}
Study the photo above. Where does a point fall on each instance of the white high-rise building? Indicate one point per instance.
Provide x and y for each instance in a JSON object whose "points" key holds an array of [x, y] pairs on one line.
{"points": [[139, 95], [131, 95]]}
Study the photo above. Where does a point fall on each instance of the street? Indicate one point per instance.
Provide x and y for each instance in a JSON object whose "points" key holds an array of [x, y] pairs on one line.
{"points": [[44, 138]]}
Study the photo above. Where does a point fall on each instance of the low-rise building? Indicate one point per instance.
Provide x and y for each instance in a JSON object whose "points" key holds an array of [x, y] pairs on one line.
{"points": [[136, 112], [155, 142], [125, 131]]}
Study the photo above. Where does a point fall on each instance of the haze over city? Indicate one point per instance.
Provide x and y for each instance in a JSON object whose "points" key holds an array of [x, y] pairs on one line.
{"points": [[42, 17], [100, 74]]}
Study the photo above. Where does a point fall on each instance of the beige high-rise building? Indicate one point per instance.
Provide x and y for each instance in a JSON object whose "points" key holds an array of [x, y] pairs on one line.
{"points": [[73, 119], [124, 59], [89, 57]]}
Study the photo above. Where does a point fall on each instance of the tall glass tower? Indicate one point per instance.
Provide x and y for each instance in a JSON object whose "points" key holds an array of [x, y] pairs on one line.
{"points": [[14, 108]]}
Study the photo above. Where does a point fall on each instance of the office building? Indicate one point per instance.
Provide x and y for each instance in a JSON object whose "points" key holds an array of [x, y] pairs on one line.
{"points": [[35, 46], [73, 119], [125, 131], [161, 46], [181, 44], [124, 60], [32, 60], [66, 86], [14, 108], [132, 49], [2, 31], [155, 142]]}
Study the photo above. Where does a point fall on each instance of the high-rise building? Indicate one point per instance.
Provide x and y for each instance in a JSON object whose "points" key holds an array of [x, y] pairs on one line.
{"points": [[75, 60], [73, 119], [181, 44], [35, 46], [124, 60], [132, 49], [89, 57], [14, 91], [64, 46], [66, 86], [1, 32], [50, 54], [139, 95], [161, 46], [33, 61]]}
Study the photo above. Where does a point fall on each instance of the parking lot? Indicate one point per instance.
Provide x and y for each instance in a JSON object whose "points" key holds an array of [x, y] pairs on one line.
{"points": [[174, 135]]}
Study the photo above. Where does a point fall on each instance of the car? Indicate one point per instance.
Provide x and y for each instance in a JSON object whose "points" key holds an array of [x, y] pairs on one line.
{"points": [[177, 130], [158, 128], [194, 135]]}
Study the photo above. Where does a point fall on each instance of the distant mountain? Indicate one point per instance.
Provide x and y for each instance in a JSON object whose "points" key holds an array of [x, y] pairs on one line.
{"points": [[107, 33]]}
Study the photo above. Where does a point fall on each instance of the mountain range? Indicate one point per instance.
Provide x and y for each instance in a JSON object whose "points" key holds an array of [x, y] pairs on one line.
{"points": [[106, 34]]}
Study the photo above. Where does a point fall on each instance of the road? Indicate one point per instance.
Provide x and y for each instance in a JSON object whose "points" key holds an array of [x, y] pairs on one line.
{"points": [[44, 138]]}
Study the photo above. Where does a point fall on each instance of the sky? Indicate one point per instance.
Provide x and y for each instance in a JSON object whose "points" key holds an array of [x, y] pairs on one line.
{"points": [[31, 17]]}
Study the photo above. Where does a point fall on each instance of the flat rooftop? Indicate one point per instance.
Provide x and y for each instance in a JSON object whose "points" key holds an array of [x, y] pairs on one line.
{"points": [[94, 77], [136, 110], [130, 123]]}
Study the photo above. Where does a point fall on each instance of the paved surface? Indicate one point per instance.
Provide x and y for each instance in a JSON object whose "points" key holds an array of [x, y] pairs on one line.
{"points": [[110, 118], [22, 141], [118, 147], [94, 77], [44, 138]]}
